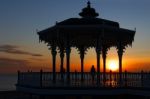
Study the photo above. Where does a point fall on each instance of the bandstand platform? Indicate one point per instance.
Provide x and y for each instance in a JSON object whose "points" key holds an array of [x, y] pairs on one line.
{"points": [[41, 84]]}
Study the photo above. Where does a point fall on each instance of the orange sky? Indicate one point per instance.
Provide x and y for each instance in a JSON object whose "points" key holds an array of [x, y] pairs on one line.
{"points": [[131, 62]]}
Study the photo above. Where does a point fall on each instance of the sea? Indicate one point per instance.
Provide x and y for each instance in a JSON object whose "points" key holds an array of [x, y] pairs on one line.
{"points": [[7, 82]]}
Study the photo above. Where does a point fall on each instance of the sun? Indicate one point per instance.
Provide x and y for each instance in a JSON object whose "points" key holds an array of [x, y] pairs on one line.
{"points": [[113, 65]]}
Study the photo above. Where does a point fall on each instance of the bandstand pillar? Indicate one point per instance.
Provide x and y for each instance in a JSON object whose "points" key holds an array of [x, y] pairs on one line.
{"points": [[54, 52], [104, 53], [68, 51], [120, 48], [62, 63], [98, 52], [82, 52]]}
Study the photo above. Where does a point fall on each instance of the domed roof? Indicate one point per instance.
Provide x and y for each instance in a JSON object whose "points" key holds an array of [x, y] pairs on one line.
{"points": [[88, 17], [88, 21]]}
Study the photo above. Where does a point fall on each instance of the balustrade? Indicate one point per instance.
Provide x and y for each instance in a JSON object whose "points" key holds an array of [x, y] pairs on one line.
{"points": [[45, 79]]}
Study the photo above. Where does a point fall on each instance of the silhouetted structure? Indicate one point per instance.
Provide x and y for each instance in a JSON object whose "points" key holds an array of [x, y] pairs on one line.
{"points": [[83, 33]]}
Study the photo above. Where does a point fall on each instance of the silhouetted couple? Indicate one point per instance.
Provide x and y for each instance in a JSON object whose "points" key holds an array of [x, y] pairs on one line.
{"points": [[93, 73]]}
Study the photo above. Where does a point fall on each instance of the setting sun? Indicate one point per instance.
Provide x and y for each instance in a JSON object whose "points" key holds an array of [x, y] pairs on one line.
{"points": [[112, 65]]}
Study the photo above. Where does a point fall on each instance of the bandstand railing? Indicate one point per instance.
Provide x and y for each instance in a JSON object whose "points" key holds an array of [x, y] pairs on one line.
{"points": [[44, 79]]}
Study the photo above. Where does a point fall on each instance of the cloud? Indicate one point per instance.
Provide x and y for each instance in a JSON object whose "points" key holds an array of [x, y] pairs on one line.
{"points": [[37, 59], [12, 62], [13, 49], [10, 65]]}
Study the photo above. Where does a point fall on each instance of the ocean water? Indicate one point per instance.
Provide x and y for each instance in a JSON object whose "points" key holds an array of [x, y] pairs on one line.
{"points": [[7, 82]]}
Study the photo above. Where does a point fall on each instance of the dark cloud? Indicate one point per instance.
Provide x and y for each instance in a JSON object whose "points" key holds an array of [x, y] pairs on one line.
{"points": [[37, 59], [13, 49], [10, 65], [12, 62]]}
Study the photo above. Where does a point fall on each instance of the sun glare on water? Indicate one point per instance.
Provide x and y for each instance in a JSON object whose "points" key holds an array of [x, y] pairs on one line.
{"points": [[113, 65]]}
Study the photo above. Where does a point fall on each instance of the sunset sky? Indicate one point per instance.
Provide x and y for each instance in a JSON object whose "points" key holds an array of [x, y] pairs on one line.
{"points": [[19, 44]]}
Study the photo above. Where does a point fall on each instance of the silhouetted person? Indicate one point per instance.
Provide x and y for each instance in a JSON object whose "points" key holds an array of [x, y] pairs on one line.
{"points": [[75, 75], [62, 71], [92, 73]]}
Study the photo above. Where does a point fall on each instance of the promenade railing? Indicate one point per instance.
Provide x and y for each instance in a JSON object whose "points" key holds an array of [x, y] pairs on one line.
{"points": [[111, 79]]}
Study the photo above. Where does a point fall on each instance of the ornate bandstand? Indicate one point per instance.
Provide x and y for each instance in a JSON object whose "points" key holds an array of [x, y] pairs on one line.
{"points": [[82, 33]]}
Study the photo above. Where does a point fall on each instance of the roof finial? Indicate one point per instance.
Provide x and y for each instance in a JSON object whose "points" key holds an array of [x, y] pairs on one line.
{"points": [[89, 4], [88, 11]]}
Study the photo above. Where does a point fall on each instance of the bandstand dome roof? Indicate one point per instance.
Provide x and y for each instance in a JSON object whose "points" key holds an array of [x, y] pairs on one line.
{"points": [[85, 30]]}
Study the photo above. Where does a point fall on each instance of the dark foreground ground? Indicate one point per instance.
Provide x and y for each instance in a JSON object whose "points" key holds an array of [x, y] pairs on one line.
{"points": [[18, 95]]}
